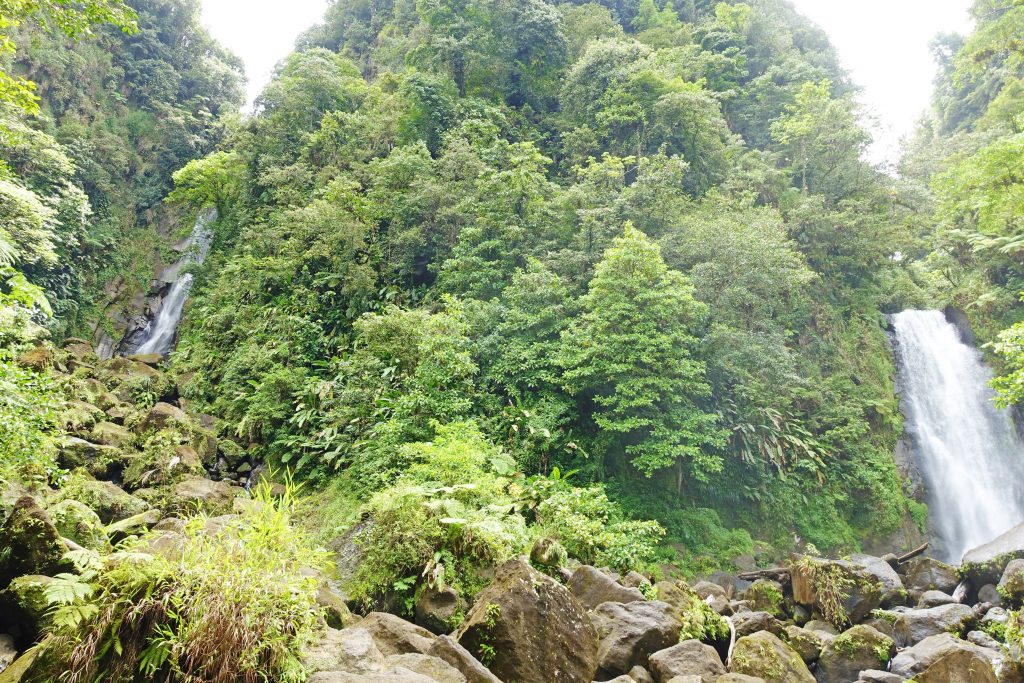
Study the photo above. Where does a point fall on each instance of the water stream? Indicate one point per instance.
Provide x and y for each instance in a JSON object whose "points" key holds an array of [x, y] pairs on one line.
{"points": [[160, 333], [968, 451]]}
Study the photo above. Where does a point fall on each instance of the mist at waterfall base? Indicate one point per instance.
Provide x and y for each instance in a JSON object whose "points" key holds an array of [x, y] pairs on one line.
{"points": [[969, 453], [162, 329]]}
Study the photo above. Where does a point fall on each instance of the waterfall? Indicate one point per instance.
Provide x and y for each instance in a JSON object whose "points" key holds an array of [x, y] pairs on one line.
{"points": [[162, 329], [968, 451]]}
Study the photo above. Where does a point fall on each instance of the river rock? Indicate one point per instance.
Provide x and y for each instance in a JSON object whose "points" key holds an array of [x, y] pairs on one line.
{"points": [[448, 649], [395, 636], [592, 587], [1011, 584], [688, 658], [985, 564], [433, 668], [747, 623], [110, 434], [914, 626], [29, 543], [352, 650], [78, 522], [877, 676], [763, 654], [863, 595], [739, 678], [630, 632], [535, 628], [990, 594], [893, 592], [214, 497], [161, 416], [914, 661], [109, 501], [806, 643], [925, 573], [705, 589], [853, 651], [98, 459], [934, 599]]}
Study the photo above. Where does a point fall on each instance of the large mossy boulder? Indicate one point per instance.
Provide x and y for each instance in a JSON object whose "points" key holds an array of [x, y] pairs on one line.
{"points": [[439, 610], [861, 589], [893, 591], [78, 522], [29, 543], [762, 654], [161, 416], [926, 574], [986, 563], [1011, 584], [688, 658], [110, 434], [528, 627], [630, 632], [98, 460], [109, 501], [857, 649], [913, 626], [212, 497]]}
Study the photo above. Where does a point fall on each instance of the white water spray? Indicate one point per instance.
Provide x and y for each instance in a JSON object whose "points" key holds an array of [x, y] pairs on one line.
{"points": [[161, 331], [969, 453]]}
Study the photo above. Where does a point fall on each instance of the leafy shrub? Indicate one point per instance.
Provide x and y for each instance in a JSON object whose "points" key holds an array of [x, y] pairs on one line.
{"points": [[234, 606], [29, 402], [594, 530]]}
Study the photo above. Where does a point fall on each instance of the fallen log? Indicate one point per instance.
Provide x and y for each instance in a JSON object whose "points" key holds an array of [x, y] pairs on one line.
{"points": [[912, 554]]}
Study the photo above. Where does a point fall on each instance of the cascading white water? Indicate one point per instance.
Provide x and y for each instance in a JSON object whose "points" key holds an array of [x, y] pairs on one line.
{"points": [[968, 451], [161, 331]]}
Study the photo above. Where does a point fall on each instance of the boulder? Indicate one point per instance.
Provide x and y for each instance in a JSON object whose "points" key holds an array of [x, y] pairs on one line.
{"points": [[78, 522], [37, 358], [688, 658], [806, 643], [641, 675], [528, 627], [763, 654], [925, 574], [352, 649], [630, 632], [913, 626], [163, 415], [439, 610], [914, 661], [152, 359], [959, 666], [876, 676], [765, 595], [449, 650], [1011, 584], [136, 523], [336, 611], [79, 416], [97, 459], [934, 599], [29, 543], [433, 668], [110, 434], [982, 639], [396, 636], [990, 594], [397, 675], [985, 564], [893, 592], [704, 589], [107, 500], [739, 678], [213, 497], [747, 623], [853, 651], [592, 587], [864, 592]]}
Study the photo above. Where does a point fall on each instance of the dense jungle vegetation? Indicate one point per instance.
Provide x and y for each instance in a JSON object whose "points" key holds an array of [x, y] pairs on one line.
{"points": [[488, 271]]}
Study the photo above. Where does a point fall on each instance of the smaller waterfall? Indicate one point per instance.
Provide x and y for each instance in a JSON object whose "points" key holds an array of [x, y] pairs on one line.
{"points": [[161, 331], [968, 451]]}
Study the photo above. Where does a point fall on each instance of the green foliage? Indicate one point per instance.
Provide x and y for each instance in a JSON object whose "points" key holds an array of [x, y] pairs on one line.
{"points": [[237, 605]]}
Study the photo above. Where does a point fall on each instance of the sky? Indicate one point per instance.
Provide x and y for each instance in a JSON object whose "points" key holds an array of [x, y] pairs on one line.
{"points": [[883, 43]]}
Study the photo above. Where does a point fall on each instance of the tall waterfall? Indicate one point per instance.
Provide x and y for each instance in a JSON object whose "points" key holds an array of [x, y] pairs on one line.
{"points": [[968, 451], [161, 331]]}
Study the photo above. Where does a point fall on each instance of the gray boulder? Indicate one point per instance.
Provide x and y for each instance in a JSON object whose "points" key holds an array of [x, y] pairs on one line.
{"points": [[592, 587], [893, 592], [438, 610], [925, 574], [807, 644], [351, 650], [747, 623], [985, 564], [449, 650], [630, 632], [531, 628], [913, 626], [934, 599], [853, 651], [688, 658], [913, 662], [396, 636], [1011, 584]]}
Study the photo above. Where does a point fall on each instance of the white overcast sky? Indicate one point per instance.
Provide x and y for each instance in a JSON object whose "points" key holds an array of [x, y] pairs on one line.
{"points": [[884, 44]]}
